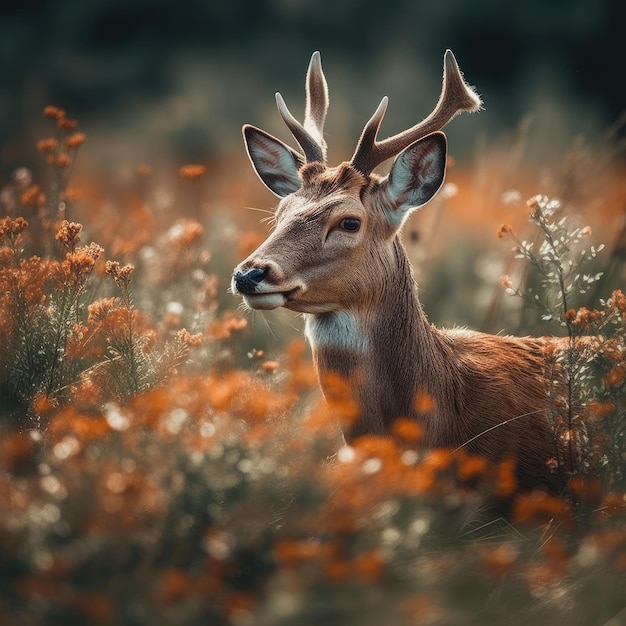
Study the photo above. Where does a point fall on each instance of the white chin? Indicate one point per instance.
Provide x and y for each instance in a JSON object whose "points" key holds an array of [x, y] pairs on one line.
{"points": [[265, 301]]}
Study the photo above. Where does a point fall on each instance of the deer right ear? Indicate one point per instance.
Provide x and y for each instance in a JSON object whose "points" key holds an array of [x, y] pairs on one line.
{"points": [[276, 164]]}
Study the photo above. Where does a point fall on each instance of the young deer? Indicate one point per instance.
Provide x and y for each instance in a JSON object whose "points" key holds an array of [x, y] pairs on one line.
{"points": [[335, 255]]}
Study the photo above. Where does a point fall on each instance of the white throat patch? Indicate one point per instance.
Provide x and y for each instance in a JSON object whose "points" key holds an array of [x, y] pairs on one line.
{"points": [[338, 329]]}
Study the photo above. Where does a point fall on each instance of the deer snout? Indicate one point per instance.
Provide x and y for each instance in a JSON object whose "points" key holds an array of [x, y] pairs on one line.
{"points": [[245, 281]]}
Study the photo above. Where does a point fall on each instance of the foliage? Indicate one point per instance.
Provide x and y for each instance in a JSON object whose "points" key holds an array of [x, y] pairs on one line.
{"points": [[587, 371], [146, 477]]}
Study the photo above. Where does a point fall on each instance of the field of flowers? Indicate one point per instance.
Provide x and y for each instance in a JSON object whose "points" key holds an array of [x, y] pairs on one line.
{"points": [[166, 458]]}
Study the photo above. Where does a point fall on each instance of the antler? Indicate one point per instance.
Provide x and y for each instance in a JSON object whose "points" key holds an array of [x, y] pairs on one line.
{"points": [[310, 135], [456, 96]]}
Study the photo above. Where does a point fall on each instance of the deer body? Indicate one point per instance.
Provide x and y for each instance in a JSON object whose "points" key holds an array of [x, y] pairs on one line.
{"points": [[335, 255]]}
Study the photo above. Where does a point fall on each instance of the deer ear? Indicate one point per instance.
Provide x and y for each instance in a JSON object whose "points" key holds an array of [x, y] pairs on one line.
{"points": [[275, 163], [416, 174]]}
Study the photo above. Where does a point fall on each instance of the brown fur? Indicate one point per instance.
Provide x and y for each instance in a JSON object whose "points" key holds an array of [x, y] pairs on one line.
{"points": [[485, 393]]}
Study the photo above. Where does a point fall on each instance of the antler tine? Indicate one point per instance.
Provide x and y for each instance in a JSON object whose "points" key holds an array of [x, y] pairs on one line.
{"points": [[310, 134], [316, 100], [456, 96]]}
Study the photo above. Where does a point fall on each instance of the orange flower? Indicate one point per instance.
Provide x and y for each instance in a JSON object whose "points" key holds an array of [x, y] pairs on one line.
{"points": [[184, 233], [62, 160], [601, 409], [505, 281], [507, 480], [66, 124], [68, 234], [618, 300], [539, 505], [12, 227], [472, 467], [33, 196], [503, 231], [369, 566], [270, 366], [47, 145], [192, 172], [121, 275], [229, 323], [76, 140], [188, 339], [407, 430], [424, 402], [53, 112], [99, 310]]}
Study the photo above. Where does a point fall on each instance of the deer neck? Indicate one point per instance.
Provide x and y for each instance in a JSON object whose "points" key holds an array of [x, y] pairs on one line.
{"points": [[386, 353]]}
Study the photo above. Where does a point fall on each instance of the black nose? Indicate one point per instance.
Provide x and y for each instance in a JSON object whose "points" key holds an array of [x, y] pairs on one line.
{"points": [[246, 281]]}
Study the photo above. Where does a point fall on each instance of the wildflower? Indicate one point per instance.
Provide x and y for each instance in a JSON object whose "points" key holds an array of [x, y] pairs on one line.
{"points": [[33, 196], [12, 227], [121, 275], [538, 505], [192, 172], [618, 300], [270, 366], [407, 430], [76, 140], [507, 481], [587, 489], [47, 145], [424, 402], [505, 281], [53, 112], [68, 234], [369, 566], [472, 467], [99, 310], [229, 323], [601, 409], [184, 233], [504, 231], [188, 339], [62, 160], [77, 265], [71, 193], [66, 124]]}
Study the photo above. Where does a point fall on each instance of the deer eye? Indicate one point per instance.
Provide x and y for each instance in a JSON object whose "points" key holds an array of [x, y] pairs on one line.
{"points": [[351, 224]]}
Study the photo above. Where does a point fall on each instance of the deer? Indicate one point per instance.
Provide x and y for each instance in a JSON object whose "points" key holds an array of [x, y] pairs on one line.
{"points": [[335, 256]]}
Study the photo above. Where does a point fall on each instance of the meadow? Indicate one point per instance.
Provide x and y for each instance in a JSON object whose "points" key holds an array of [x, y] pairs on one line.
{"points": [[166, 457]]}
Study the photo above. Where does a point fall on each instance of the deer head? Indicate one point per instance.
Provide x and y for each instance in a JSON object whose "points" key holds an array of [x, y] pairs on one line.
{"points": [[335, 226]]}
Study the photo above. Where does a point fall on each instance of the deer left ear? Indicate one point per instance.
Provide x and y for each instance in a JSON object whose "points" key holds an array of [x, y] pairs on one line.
{"points": [[416, 175]]}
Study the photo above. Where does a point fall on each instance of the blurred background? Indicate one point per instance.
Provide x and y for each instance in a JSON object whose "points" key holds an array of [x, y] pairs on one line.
{"points": [[156, 85], [150, 78]]}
